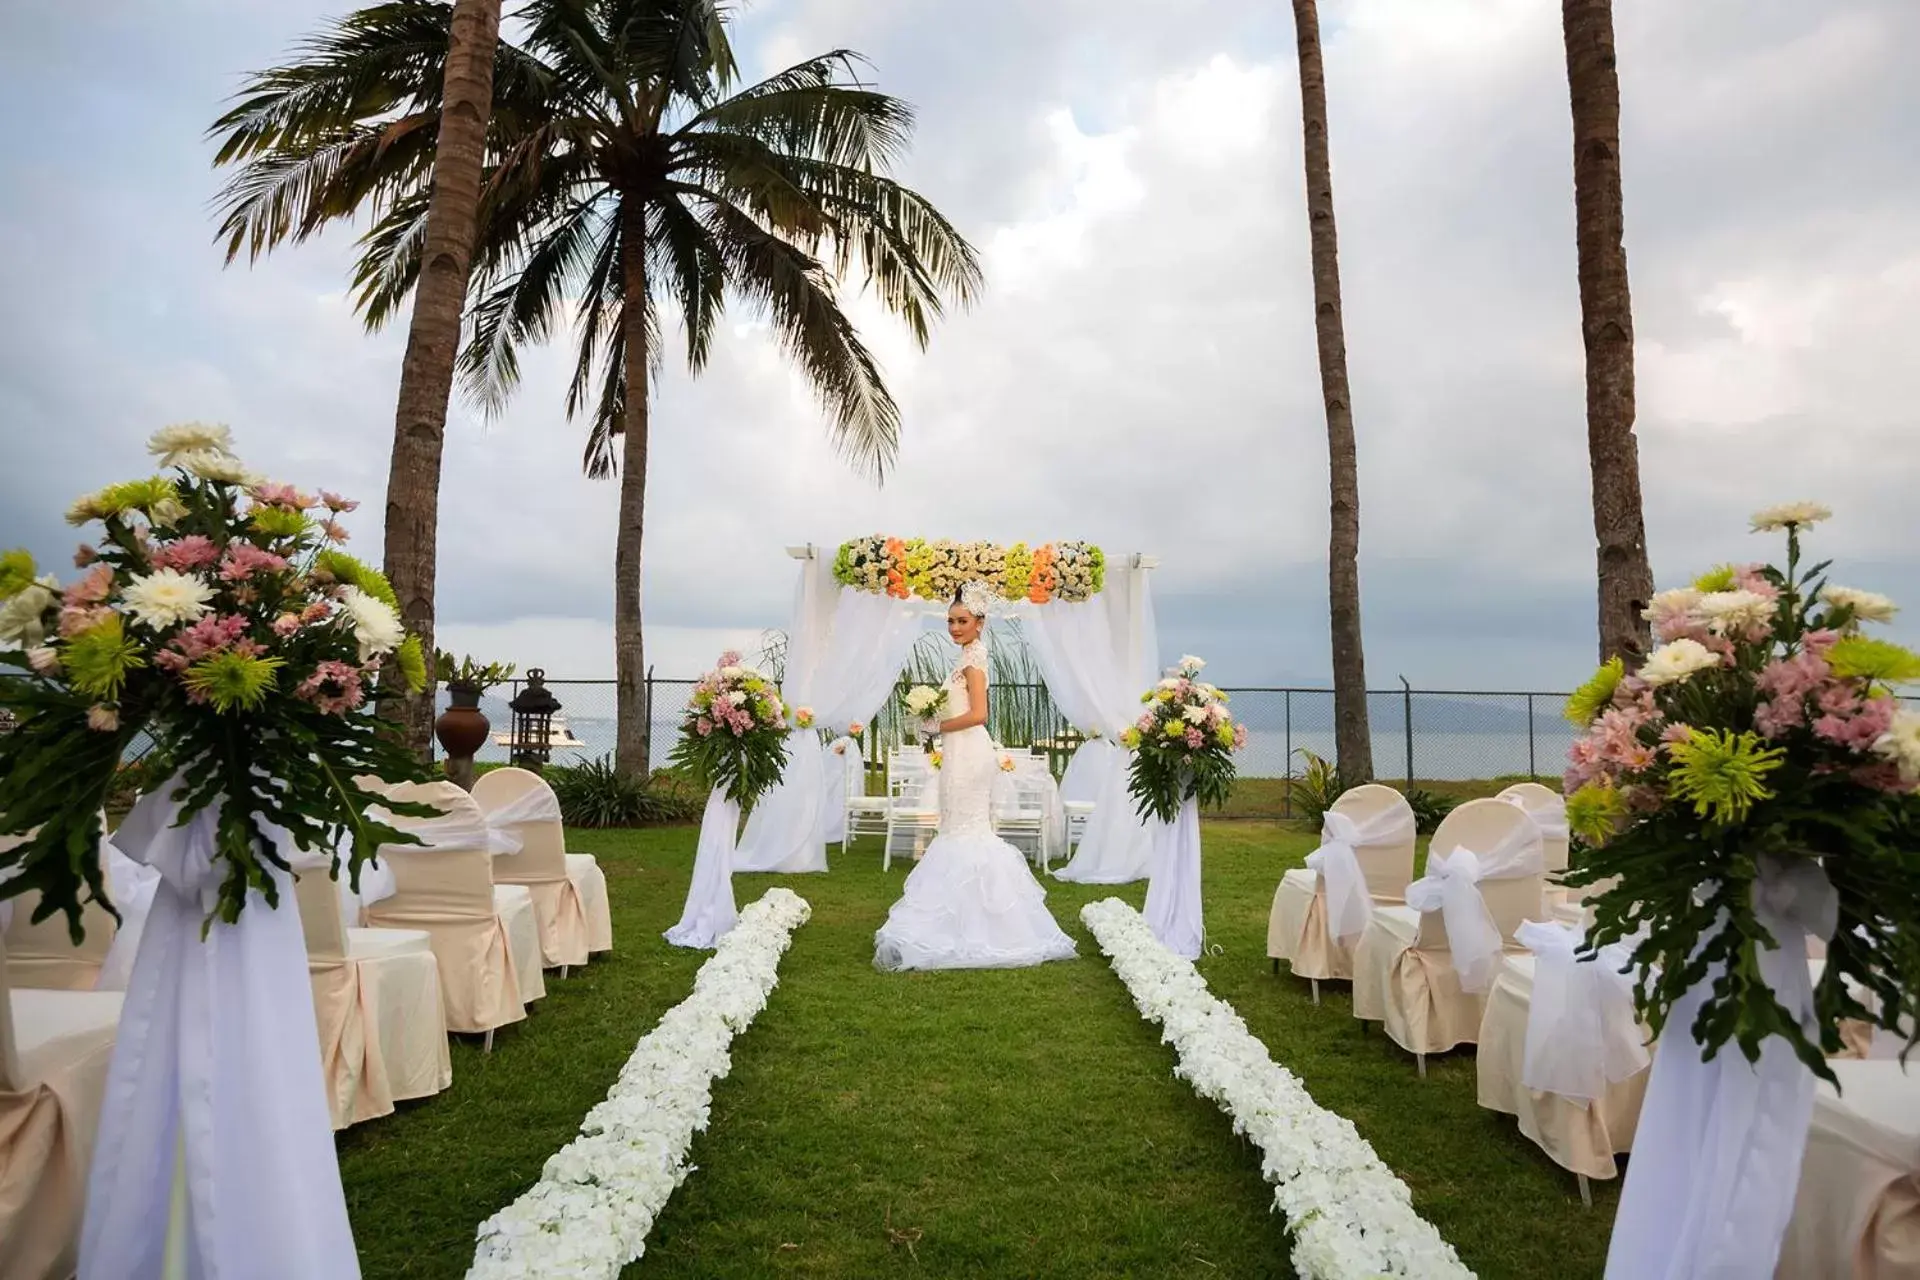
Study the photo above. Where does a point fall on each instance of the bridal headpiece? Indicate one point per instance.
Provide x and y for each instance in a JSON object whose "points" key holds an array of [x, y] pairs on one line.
{"points": [[975, 597]]}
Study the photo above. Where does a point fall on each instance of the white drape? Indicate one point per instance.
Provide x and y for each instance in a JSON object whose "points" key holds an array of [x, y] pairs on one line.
{"points": [[536, 805], [710, 913], [132, 887], [843, 657], [1173, 894], [1582, 1032], [838, 765], [1716, 1156], [1349, 905], [215, 1062], [1098, 656], [1452, 887]]}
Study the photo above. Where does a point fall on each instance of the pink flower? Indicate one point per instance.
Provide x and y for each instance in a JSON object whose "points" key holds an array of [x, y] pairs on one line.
{"points": [[1638, 757], [286, 496], [43, 659], [1819, 640], [210, 635], [1145, 723], [1194, 740], [703, 726], [1674, 733], [75, 620], [1239, 737], [244, 560], [333, 530], [169, 660], [731, 658], [286, 624], [334, 687], [315, 612], [102, 718], [334, 502], [189, 553], [92, 588], [85, 556]]}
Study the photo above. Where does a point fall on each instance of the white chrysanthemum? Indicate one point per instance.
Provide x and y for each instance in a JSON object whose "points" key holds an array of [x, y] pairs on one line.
{"points": [[1730, 612], [1196, 714], [1676, 661], [23, 616], [731, 672], [84, 509], [375, 624], [1679, 600], [1190, 664], [1901, 744], [167, 597], [174, 443], [209, 465], [1790, 515], [1867, 606]]}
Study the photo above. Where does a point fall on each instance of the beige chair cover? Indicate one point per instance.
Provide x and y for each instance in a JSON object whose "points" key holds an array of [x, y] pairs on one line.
{"points": [[1857, 1213], [1548, 809], [377, 1003], [1297, 929], [1404, 974], [448, 891], [45, 956], [569, 891], [54, 1051], [514, 903], [1579, 1136]]}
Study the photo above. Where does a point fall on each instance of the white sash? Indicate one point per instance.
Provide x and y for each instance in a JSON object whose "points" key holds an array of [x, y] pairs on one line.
{"points": [[1582, 1032], [1349, 905], [1452, 887], [537, 805]]}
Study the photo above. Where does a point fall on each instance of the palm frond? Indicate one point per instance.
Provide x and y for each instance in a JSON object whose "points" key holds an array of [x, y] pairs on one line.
{"points": [[687, 259], [808, 111]]}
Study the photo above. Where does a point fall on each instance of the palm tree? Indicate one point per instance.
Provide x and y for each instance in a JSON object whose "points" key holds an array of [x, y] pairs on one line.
{"points": [[1353, 739], [625, 171], [1606, 325]]}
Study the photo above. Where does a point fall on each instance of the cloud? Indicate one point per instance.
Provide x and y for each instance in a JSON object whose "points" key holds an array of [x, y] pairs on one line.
{"points": [[1141, 370]]}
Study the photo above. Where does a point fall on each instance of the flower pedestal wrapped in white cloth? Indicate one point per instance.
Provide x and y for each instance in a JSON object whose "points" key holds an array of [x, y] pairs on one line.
{"points": [[215, 1059], [787, 830], [1173, 908], [1716, 1163], [1365, 859], [710, 911]]}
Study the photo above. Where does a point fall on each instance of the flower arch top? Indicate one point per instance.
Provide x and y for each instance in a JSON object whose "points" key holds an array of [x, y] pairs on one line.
{"points": [[914, 567]]}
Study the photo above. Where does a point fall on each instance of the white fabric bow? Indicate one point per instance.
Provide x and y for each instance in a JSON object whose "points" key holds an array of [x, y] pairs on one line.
{"points": [[461, 828], [1349, 905], [1548, 815], [1452, 887], [537, 805], [1582, 1032]]}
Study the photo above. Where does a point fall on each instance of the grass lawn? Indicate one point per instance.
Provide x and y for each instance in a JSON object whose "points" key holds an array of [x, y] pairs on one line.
{"points": [[1019, 1123]]}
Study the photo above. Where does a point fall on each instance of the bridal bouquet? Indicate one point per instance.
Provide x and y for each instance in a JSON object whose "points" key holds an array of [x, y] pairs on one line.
{"points": [[216, 616], [734, 735], [1182, 745], [925, 702], [1759, 746]]}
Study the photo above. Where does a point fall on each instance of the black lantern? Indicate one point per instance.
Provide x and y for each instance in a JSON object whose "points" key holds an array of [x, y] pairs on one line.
{"points": [[533, 709]]}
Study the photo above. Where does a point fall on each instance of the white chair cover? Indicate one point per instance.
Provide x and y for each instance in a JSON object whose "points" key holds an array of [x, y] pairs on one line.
{"points": [[1349, 906], [1452, 887], [536, 805], [215, 1065], [1173, 909], [1582, 1032], [710, 913]]}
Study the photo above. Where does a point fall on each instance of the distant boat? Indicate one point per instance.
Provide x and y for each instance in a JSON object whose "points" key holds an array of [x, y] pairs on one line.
{"points": [[558, 736]]}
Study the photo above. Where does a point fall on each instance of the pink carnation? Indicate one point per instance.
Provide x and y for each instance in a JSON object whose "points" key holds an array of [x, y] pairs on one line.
{"points": [[334, 687], [1858, 728], [1818, 641], [244, 560], [189, 553], [92, 588], [286, 624], [703, 726], [315, 612], [1239, 737], [1194, 740], [1145, 723], [731, 658], [210, 635], [169, 660], [74, 620], [103, 719]]}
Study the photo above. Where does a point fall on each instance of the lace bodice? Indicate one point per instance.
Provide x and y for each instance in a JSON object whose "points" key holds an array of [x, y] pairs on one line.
{"points": [[972, 655], [967, 764]]}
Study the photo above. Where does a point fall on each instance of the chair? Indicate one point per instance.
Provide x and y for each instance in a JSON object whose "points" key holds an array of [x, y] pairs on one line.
{"points": [[1857, 1212], [1379, 826], [1548, 809], [484, 936], [569, 889], [44, 956], [55, 1047], [377, 1006], [1078, 813], [1020, 817], [910, 819], [866, 815], [1409, 972]]}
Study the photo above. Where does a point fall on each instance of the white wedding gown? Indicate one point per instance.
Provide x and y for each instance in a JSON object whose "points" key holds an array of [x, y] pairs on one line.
{"points": [[971, 902]]}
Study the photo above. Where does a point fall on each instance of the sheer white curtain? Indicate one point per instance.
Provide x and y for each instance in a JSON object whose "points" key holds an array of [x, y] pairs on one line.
{"points": [[1097, 657], [845, 652]]}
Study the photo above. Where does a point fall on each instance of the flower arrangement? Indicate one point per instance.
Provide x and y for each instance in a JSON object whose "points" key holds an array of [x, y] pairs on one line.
{"points": [[803, 717], [1349, 1215], [217, 615], [1761, 737], [914, 567], [734, 735], [856, 730], [467, 675], [1182, 745], [598, 1197]]}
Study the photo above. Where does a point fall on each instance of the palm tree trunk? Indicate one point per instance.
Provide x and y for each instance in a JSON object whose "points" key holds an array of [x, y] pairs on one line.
{"points": [[433, 341], [1606, 325], [1353, 741], [633, 716]]}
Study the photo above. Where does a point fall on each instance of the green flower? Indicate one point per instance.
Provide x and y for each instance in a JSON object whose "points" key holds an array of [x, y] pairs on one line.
{"points": [[1224, 735], [1595, 812], [16, 572], [1720, 579], [228, 679], [1864, 658], [1721, 773], [278, 522], [99, 658], [355, 573], [155, 495], [1591, 698], [412, 663]]}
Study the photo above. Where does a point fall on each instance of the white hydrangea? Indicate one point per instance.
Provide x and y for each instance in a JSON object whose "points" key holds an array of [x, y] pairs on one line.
{"points": [[167, 597], [375, 624], [1677, 660], [1790, 515], [1867, 606]]}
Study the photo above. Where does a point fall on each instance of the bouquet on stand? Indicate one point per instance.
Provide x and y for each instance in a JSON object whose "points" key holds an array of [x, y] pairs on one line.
{"points": [[1749, 786]]}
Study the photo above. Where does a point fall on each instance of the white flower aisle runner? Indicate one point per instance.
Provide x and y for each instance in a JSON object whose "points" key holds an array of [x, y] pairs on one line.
{"points": [[1350, 1216], [597, 1198]]}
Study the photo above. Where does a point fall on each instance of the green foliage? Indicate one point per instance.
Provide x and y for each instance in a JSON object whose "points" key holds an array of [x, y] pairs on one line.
{"points": [[595, 794], [1429, 809], [1187, 754], [465, 673], [1312, 791]]}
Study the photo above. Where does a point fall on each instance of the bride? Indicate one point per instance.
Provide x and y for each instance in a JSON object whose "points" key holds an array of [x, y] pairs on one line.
{"points": [[971, 902]]}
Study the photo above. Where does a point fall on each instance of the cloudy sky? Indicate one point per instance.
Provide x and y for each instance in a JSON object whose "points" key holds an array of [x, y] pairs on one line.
{"points": [[1141, 371]]}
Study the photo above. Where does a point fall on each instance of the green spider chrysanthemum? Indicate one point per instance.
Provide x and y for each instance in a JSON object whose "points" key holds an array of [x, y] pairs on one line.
{"points": [[1865, 658], [342, 567], [1721, 773], [278, 522], [1595, 811], [412, 664], [1718, 579], [99, 658], [228, 679], [16, 572], [155, 495], [1593, 697]]}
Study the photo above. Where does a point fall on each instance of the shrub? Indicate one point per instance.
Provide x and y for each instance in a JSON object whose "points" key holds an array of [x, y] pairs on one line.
{"points": [[595, 795], [1429, 809], [1313, 790]]}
